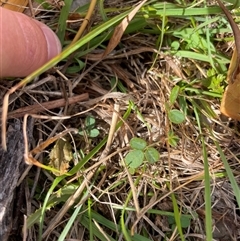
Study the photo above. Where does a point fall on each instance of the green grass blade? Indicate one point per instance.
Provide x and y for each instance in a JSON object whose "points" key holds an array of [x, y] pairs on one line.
{"points": [[198, 56], [73, 171], [60, 178], [208, 206], [66, 229], [207, 185], [235, 187], [90, 218], [85, 221], [69, 50], [62, 23], [173, 10], [177, 216]]}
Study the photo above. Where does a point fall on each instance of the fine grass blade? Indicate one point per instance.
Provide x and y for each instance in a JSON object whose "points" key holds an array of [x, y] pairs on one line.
{"points": [[235, 187], [62, 22], [207, 185]]}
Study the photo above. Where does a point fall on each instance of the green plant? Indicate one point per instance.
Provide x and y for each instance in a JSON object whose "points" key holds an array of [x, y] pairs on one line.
{"points": [[172, 138], [140, 152], [185, 221], [175, 116], [89, 129], [214, 82]]}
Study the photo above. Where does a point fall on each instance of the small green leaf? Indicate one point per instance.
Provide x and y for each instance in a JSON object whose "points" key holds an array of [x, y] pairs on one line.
{"points": [[89, 127], [134, 158], [73, 69], [183, 104], [174, 94], [167, 106], [173, 141], [81, 133], [77, 67], [175, 45], [90, 121], [171, 220], [93, 133], [172, 138], [214, 81], [152, 155], [185, 221], [138, 143], [176, 116]]}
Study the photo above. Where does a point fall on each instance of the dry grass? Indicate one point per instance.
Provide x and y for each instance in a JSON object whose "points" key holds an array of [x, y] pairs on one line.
{"points": [[104, 185]]}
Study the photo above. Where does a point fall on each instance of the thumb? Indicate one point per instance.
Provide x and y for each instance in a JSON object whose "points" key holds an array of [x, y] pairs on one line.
{"points": [[25, 44]]}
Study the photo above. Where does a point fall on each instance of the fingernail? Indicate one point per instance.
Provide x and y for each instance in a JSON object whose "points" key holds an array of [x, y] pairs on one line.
{"points": [[53, 43]]}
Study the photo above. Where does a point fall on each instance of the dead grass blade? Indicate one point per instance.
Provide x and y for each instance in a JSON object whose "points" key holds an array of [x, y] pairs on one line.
{"points": [[120, 29], [111, 131], [118, 32], [151, 204], [85, 22], [5, 110], [36, 108]]}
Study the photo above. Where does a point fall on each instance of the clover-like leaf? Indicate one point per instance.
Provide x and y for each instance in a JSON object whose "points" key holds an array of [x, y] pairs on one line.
{"points": [[93, 133], [90, 121], [176, 116], [152, 155], [134, 158], [138, 143]]}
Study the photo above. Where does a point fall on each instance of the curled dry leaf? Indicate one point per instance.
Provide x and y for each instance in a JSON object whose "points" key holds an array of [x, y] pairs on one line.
{"points": [[14, 5], [230, 105]]}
